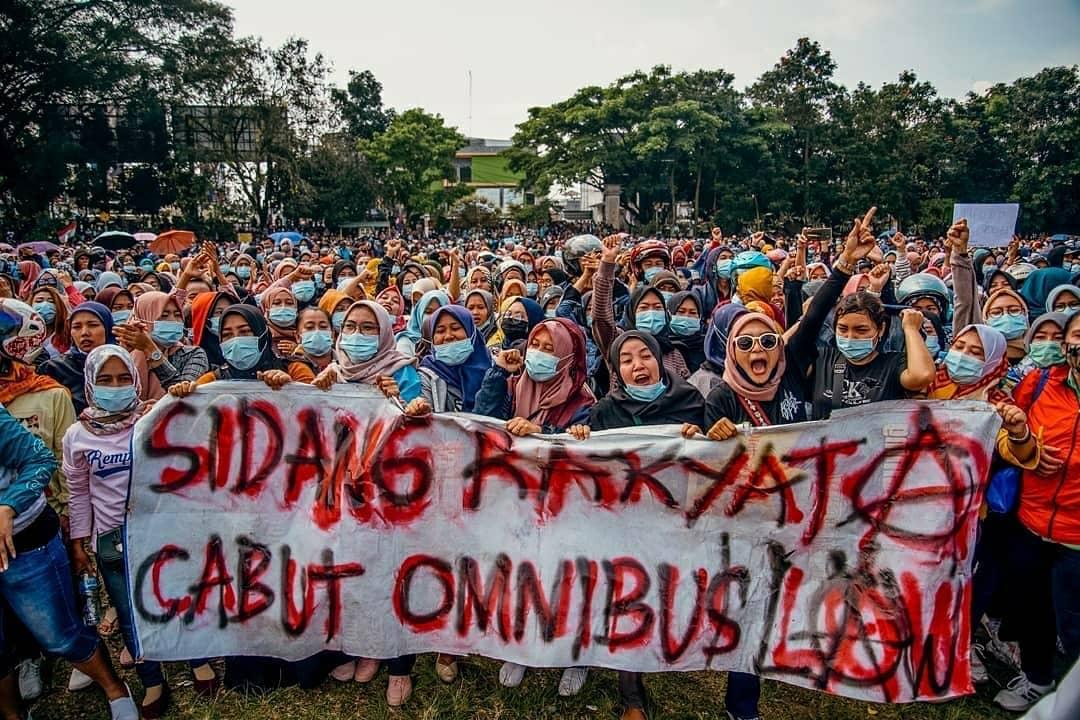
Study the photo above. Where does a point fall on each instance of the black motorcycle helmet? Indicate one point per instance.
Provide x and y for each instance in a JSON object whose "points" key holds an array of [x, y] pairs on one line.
{"points": [[576, 248]]}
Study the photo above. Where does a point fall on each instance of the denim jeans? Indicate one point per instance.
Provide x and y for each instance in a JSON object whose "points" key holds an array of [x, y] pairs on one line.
{"points": [[112, 572], [37, 588]]}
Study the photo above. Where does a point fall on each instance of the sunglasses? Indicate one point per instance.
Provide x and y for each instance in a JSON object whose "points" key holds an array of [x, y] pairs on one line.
{"points": [[767, 341]]}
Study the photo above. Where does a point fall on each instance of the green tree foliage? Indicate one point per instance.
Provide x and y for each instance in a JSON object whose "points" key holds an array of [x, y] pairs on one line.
{"points": [[412, 162], [360, 106]]}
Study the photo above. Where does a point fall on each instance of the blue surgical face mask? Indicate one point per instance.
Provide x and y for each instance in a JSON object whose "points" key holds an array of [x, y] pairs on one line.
{"points": [[855, 348], [645, 393], [131, 269], [549, 314], [963, 368], [338, 319], [147, 265], [531, 289], [454, 353], [119, 317], [667, 295], [541, 366], [652, 321], [723, 268], [528, 267], [46, 310], [1070, 310], [243, 272], [1011, 326], [933, 345], [225, 268], [175, 266], [316, 342], [303, 290], [1045, 353], [685, 325], [406, 290], [114, 399], [242, 352], [215, 324], [283, 316], [167, 332], [359, 347], [652, 272]]}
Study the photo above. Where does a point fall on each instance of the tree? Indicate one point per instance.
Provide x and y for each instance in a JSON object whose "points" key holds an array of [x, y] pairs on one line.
{"points": [[333, 184], [360, 106], [263, 110], [800, 87], [78, 54], [412, 162]]}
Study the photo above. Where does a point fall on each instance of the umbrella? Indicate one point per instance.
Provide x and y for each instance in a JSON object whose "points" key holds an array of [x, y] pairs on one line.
{"points": [[173, 241], [115, 240], [145, 237], [291, 236], [39, 246], [4, 247]]}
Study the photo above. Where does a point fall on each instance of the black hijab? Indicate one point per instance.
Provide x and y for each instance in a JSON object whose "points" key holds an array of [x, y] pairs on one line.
{"points": [[630, 317], [267, 361], [692, 347], [680, 402]]}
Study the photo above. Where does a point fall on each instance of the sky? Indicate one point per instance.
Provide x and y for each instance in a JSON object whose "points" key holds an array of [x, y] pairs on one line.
{"points": [[526, 54]]}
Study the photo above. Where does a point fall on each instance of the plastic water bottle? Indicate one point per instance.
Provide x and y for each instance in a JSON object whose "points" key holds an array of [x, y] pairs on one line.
{"points": [[88, 588]]}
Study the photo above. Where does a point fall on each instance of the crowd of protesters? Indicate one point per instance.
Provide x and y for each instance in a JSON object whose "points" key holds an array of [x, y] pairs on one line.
{"points": [[553, 332]]}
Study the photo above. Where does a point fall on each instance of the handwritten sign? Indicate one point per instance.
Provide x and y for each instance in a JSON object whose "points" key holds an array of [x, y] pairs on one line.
{"points": [[835, 556], [991, 225]]}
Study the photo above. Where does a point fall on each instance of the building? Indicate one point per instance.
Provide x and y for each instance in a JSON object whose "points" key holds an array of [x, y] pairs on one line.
{"points": [[482, 166]]}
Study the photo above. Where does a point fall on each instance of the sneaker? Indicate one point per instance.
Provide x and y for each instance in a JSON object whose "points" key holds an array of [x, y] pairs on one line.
{"points": [[446, 668], [79, 680], [366, 670], [978, 670], [399, 690], [30, 686], [1005, 652], [344, 673], [123, 708], [511, 674], [1021, 693], [573, 679]]}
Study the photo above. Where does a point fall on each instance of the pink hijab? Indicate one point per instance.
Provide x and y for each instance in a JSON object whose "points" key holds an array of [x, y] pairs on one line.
{"points": [[148, 308], [736, 377], [852, 285], [557, 400], [387, 360]]}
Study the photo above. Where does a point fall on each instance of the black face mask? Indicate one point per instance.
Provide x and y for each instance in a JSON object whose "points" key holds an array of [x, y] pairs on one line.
{"points": [[515, 329]]}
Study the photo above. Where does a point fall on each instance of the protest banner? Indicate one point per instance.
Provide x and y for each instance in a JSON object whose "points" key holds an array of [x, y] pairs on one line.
{"points": [[990, 225], [833, 555]]}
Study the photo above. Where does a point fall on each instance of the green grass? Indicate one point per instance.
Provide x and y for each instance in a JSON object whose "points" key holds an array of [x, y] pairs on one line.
{"points": [[477, 694]]}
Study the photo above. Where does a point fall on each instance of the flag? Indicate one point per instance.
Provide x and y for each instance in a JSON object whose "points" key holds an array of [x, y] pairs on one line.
{"points": [[67, 232]]}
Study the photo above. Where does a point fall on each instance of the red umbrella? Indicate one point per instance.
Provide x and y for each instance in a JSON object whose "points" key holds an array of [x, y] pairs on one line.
{"points": [[173, 241]]}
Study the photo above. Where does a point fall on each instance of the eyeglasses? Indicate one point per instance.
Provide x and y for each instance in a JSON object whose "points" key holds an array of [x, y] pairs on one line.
{"points": [[767, 341], [1015, 311]]}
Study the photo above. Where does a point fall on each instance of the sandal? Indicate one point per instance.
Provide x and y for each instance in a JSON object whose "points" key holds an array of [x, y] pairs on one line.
{"points": [[109, 623]]}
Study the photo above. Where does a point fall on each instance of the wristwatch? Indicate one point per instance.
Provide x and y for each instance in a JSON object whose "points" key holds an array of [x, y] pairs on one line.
{"points": [[156, 356]]}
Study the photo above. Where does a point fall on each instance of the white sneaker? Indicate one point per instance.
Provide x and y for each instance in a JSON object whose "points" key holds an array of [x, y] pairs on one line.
{"points": [[511, 674], [1021, 693], [79, 680], [978, 670], [123, 708], [30, 686], [573, 679]]}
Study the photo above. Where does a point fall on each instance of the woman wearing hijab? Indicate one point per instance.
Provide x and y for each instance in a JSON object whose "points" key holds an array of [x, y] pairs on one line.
{"points": [[108, 279], [478, 278], [154, 335], [1043, 340], [53, 309], [549, 397], [756, 285], [550, 299], [517, 318], [715, 348], [99, 500], [687, 327], [89, 326], [281, 308], [247, 348], [481, 304], [393, 302], [206, 311], [334, 303], [1007, 312], [644, 393], [411, 341], [451, 375], [1063, 299]]}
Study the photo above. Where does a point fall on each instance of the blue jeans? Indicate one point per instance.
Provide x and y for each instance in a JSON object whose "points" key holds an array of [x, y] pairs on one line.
{"points": [[112, 572], [37, 588]]}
